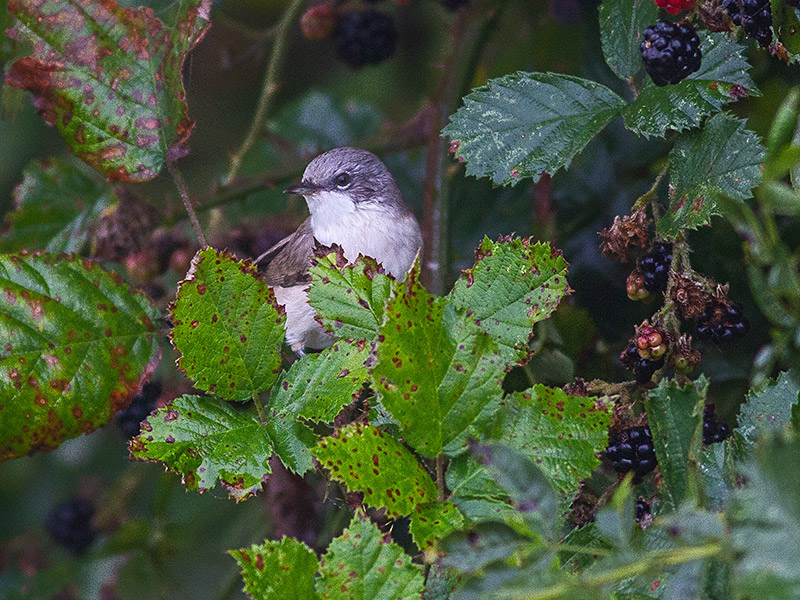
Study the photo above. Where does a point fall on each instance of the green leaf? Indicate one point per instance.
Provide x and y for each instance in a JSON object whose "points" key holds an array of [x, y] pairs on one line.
{"points": [[431, 523], [721, 159], [560, 433], [227, 327], [621, 25], [278, 570], [366, 460], [349, 298], [723, 77], [522, 124], [770, 408], [675, 417], [55, 208], [512, 286], [110, 79], [436, 370], [206, 439], [361, 565], [76, 344]]}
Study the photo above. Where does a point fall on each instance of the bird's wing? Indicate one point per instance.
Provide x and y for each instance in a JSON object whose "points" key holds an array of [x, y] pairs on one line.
{"points": [[287, 261]]}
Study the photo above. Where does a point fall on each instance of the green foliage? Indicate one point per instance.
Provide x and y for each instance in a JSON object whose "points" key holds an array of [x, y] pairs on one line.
{"points": [[431, 523], [621, 25], [110, 79], [55, 208], [77, 345], [769, 409], [278, 570], [207, 440], [227, 327]]}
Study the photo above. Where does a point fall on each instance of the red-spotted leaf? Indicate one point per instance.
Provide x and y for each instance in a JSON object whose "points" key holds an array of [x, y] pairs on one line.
{"points": [[367, 460], [207, 440], [75, 346], [431, 523], [278, 570], [228, 328], [110, 79]]}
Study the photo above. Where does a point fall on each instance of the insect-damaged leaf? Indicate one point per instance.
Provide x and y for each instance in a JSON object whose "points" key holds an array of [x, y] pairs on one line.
{"points": [[110, 79], [206, 439], [228, 328], [367, 460], [278, 570], [75, 346]]}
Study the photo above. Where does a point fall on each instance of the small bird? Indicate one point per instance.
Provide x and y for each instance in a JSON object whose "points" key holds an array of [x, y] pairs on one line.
{"points": [[354, 202]]}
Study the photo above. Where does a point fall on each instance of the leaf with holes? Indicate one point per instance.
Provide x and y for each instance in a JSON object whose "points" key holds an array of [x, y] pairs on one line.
{"points": [[560, 433], [722, 159], [278, 570], [227, 327], [523, 124], [362, 564], [513, 285], [349, 298], [206, 440], [621, 25], [770, 408], [437, 372], [431, 523], [75, 346], [55, 208], [367, 460], [110, 79], [722, 78]]}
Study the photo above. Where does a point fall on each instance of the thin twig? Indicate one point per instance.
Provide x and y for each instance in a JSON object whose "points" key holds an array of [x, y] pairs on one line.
{"points": [[642, 200], [440, 476], [187, 201], [268, 88]]}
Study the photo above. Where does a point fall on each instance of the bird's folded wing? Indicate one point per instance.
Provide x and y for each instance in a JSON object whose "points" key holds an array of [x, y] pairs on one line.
{"points": [[286, 263]]}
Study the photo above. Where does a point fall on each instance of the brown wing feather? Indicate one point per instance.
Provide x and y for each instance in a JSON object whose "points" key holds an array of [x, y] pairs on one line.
{"points": [[286, 263]]}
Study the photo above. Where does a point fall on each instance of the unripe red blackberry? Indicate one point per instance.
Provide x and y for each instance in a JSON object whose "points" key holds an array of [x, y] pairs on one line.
{"points": [[651, 343], [714, 430], [70, 524], [318, 22], [670, 51], [673, 7], [683, 358], [364, 37], [632, 450], [754, 16], [655, 267], [635, 288]]}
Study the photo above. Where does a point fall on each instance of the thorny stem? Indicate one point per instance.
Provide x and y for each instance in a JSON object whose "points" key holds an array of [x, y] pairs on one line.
{"points": [[187, 201], [270, 84]]}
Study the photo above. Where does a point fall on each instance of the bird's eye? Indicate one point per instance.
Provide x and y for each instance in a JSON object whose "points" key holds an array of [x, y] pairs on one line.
{"points": [[342, 180]]}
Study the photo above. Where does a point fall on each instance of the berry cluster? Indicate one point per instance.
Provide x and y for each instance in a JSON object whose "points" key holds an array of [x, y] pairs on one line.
{"points": [[673, 7], [70, 524], [141, 406], [714, 430], [635, 286], [632, 450], [364, 37], [643, 369], [650, 343], [655, 267], [670, 51], [721, 322], [754, 16]]}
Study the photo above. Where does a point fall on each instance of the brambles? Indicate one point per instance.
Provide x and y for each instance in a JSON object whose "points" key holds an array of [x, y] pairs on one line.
{"points": [[670, 51], [714, 430], [70, 524], [632, 450], [141, 406], [673, 7], [754, 16], [365, 37]]}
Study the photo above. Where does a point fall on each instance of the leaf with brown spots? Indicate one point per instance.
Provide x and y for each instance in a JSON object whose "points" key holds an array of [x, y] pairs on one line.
{"points": [[368, 460], [437, 372], [110, 79], [433, 522], [227, 327], [513, 285], [55, 208], [362, 565], [206, 440], [76, 344], [275, 570]]}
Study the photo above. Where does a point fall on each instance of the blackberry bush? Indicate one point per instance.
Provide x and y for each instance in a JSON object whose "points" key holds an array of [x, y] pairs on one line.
{"points": [[670, 51], [754, 16], [632, 450]]}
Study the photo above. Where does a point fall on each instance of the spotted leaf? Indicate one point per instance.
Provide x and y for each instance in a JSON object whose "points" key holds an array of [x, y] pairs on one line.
{"points": [[433, 522], [228, 328], [75, 346], [367, 460], [206, 440], [110, 79], [278, 570]]}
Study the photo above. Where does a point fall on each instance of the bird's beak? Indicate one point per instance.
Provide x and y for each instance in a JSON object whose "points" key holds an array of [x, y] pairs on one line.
{"points": [[304, 189]]}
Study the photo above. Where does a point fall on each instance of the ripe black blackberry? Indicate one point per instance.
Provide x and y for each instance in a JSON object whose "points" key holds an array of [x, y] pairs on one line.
{"points": [[70, 524], [642, 509], [632, 450], [364, 37], [754, 16], [655, 267], [722, 323], [670, 51], [714, 430], [643, 369], [141, 406]]}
